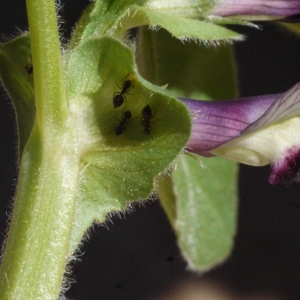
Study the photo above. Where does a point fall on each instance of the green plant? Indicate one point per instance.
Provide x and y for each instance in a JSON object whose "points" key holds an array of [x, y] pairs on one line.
{"points": [[74, 168]]}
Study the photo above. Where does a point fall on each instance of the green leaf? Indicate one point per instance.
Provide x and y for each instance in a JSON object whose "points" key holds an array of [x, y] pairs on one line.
{"points": [[118, 169], [14, 56], [115, 18], [231, 21], [81, 26], [187, 29], [205, 209], [199, 72], [190, 70], [182, 28], [186, 8], [101, 18]]}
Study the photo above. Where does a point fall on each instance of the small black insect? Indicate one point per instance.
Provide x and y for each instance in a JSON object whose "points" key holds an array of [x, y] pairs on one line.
{"points": [[120, 97], [28, 67], [146, 119], [123, 123]]}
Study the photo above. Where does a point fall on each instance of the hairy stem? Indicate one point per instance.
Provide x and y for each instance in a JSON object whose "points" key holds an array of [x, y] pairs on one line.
{"points": [[37, 247]]}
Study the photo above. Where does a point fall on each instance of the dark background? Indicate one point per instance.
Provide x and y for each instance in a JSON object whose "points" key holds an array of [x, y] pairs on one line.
{"points": [[136, 257]]}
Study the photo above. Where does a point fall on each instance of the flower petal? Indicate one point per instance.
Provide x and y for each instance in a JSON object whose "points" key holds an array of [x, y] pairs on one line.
{"points": [[286, 106], [264, 146], [286, 169], [217, 122], [278, 145], [288, 9], [254, 131]]}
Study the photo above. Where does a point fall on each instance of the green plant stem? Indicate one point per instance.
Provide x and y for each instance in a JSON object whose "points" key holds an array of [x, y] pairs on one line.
{"points": [[37, 247]]}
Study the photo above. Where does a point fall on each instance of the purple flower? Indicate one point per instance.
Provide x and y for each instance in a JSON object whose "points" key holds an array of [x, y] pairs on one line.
{"points": [[254, 131], [287, 10]]}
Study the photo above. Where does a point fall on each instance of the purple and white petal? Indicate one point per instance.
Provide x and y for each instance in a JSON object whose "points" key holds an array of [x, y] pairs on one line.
{"points": [[217, 122], [282, 9], [286, 169], [285, 107], [256, 131], [278, 145]]}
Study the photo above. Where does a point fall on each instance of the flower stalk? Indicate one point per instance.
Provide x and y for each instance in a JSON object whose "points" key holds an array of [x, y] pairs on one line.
{"points": [[37, 246]]}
